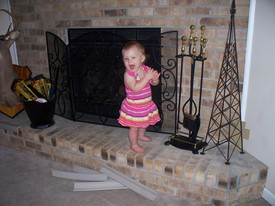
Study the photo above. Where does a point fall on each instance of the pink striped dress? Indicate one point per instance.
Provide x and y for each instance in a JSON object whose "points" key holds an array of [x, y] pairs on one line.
{"points": [[138, 109]]}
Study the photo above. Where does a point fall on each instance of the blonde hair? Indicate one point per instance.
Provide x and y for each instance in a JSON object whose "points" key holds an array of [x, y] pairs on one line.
{"points": [[136, 44]]}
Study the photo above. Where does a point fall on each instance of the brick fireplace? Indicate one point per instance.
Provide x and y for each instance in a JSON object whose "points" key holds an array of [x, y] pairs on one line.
{"points": [[37, 17], [205, 179]]}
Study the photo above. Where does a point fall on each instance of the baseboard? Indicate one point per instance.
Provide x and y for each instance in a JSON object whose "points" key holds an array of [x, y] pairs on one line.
{"points": [[269, 197]]}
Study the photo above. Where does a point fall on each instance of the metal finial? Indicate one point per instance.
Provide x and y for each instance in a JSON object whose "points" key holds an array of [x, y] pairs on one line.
{"points": [[195, 39], [233, 8], [192, 28], [183, 40], [202, 33]]}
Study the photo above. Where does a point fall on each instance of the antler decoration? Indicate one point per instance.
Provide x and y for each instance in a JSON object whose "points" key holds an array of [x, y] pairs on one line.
{"points": [[7, 75], [14, 33]]}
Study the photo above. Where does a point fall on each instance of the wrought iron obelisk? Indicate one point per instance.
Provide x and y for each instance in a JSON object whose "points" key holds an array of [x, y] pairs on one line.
{"points": [[225, 126]]}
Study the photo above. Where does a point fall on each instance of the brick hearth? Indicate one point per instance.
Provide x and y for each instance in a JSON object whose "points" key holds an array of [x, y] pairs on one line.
{"points": [[202, 178]]}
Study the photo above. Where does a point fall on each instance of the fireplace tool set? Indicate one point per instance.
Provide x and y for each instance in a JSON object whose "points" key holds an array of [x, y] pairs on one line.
{"points": [[190, 109]]}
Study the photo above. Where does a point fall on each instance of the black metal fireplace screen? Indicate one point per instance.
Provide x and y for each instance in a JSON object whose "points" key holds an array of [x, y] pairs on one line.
{"points": [[88, 73]]}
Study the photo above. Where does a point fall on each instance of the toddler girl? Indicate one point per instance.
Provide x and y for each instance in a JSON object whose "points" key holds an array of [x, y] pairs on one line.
{"points": [[138, 111]]}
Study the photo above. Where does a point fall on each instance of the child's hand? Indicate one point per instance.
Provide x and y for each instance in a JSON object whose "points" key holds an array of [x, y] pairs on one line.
{"points": [[155, 79], [156, 75], [149, 74]]}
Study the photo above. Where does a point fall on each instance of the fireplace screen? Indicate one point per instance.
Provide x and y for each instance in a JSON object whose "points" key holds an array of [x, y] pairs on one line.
{"points": [[88, 73]]}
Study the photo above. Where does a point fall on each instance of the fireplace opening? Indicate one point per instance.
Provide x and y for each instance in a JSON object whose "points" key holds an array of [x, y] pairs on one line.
{"points": [[88, 73], [97, 69]]}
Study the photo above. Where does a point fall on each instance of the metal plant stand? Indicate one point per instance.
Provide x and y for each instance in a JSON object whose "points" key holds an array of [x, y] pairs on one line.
{"points": [[190, 110], [225, 125]]}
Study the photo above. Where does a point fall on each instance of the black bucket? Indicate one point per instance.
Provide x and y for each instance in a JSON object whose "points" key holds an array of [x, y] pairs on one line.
{"points": [[40, 114]]}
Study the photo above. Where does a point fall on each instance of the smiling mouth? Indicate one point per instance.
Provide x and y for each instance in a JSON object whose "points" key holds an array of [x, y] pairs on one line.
{"points": [[132, 66]]}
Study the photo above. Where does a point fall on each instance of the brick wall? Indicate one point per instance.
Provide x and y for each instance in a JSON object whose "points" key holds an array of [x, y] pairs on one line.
{"points": [[38, 16]]}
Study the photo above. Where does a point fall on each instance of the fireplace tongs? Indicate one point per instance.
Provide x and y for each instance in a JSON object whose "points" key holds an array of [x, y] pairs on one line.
{"points": [[191, 119]]}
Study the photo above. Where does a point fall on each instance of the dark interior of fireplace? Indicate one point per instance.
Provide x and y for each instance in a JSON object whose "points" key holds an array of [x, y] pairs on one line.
{"points": [[97, 69]]}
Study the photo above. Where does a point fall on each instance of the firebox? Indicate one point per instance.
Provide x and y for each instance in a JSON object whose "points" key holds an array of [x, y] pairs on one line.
{"points": [[88, 73], [97, 69]]}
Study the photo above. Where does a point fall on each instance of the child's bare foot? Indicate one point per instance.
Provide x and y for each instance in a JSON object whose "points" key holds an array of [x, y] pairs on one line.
{"points": [[137, 148], [145, 138]]}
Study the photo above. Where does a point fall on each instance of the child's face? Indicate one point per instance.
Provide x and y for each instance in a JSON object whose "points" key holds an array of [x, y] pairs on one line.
{"points": [[133, 58]]}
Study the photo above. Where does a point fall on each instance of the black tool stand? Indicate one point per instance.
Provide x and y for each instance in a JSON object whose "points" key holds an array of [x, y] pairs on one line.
{"points": [[183, 142], [189, 110]]}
